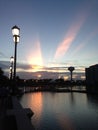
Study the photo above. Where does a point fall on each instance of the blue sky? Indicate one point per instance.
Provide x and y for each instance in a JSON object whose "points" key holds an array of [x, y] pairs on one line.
{"points": [[54, 34]]}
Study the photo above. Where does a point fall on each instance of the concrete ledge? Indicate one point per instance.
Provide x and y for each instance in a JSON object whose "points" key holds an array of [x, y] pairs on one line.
{"points": [[21, 115], [15, 103], [22, 120], [29, 112]]}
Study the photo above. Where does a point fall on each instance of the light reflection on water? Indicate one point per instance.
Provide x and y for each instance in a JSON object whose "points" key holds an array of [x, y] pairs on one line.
{"points": [[62, 111]]}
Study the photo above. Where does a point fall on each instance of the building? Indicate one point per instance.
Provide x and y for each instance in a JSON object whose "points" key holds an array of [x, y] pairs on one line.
{"points": [[92, 78]]}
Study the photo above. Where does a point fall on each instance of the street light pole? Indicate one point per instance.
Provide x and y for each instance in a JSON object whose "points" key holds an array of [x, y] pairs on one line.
{"points": [[15, 58], [11, 67], [15, 33]]}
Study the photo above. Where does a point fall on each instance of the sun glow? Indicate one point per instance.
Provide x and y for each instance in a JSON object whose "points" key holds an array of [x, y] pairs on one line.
{"points": [[66, 77], [36, 68], [35, 57]]}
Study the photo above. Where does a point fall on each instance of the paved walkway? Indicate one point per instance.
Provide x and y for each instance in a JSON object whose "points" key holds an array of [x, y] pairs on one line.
{"points": [[6, 122], [12, 115]]}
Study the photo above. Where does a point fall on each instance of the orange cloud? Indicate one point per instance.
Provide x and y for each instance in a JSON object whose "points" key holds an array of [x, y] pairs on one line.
{"points": [[64, 46], [71, 35]]}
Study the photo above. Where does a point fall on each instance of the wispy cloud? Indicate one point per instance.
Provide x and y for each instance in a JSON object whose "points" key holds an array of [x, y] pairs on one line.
{"points": [[90, 36], [2, 55], [26, 71], [71, 34], [4, 64], [63, 46]]}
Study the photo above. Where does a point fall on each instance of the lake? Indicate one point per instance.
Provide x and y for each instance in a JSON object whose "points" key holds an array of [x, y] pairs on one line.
{"points": [[62, 111]]}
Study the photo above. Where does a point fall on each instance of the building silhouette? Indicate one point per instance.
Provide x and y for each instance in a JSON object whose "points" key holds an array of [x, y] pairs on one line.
{"points": [[92, 78]]}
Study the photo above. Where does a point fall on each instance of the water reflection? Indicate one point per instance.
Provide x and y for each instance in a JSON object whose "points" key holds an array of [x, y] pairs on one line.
{"points": [[65, 122], [72, 100], [92, 99], [33, 101], [62, 111]]}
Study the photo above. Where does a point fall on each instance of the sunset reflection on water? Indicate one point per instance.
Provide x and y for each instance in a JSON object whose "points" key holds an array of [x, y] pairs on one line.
{"points": [[62, 111], [33, 101]]}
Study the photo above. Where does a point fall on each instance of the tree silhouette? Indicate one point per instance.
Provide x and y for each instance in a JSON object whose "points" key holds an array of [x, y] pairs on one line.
{"points": [[1, 72], [4, 81]]}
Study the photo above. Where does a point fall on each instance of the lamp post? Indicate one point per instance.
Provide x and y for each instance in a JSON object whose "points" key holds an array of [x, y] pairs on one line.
{"points": [[15, 33], [11, 67]]}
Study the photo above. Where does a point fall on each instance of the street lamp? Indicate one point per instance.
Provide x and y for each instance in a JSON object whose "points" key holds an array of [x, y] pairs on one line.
{"points": [[15, 33], [11, 67]]}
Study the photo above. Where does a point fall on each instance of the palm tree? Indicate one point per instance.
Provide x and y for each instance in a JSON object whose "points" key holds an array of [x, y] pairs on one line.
{"points": [[71, 69]]}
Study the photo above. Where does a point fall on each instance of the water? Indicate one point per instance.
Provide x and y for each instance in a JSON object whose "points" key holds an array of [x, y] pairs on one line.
{"points": [[62, 111]]}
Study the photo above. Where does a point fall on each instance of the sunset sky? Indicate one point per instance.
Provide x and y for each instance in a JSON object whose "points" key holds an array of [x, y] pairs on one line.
{"points": [[54, 34]]}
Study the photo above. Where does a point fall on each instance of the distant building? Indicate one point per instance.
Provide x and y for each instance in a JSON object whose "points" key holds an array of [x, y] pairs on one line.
{"points": [[92, 78]]}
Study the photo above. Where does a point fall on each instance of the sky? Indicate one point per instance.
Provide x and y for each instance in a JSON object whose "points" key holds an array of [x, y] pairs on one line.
{"points": [[54, 35]]}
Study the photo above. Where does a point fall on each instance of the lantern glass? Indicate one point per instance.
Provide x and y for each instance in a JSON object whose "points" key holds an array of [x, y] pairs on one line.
{"points": [[15, 31], [16, 38], [12, 59]]}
